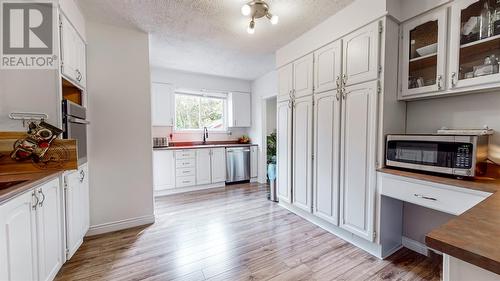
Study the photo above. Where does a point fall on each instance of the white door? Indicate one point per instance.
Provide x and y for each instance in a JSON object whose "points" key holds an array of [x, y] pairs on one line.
{"points": [[163, 169], [254, 161], [283, 150], [302, 153], [240, 106], [424, 54], [18, 254], [361, 55], [80, 59], [74, 212], [203, 163], [285, 82], [358, 151], [468, 54], [162, 104], [303, 76], [49, 230], [218, 165], [328, 67], [327, 155]]}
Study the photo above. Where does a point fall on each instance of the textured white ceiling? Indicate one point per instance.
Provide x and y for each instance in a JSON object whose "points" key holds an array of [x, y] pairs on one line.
{"points": [[209, 36]]}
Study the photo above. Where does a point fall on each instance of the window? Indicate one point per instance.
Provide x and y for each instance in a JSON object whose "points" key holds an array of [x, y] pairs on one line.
{"points": [[193, 112]]}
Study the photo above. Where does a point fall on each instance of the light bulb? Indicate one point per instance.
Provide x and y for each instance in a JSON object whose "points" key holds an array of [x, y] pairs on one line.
{"points": [[274, 19], [246, 10], [251, 27]]}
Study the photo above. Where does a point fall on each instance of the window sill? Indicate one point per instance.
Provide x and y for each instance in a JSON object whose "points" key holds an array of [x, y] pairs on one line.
{"points": [[222, 132]]}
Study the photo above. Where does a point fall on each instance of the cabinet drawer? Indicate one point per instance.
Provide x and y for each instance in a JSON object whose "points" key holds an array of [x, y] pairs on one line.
{"points": [[184, 172], [185, 181], [448, 199], [185, 154], [184, 163]]}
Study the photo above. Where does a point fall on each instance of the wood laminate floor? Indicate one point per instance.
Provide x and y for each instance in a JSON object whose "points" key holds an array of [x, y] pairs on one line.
{"points": [[234, 233]]}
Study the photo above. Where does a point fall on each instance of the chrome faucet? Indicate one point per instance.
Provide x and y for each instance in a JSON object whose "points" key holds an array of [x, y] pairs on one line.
{"points": [[205, 135]]}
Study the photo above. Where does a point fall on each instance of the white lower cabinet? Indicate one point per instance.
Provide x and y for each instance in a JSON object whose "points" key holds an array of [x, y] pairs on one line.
{"points": [[49, 230], [31, 234], [218, 165], [254, 161], [358, 147], [284, 151], [203, 164], [327, 156], [77, 208], [164, 171], [302, 153]]}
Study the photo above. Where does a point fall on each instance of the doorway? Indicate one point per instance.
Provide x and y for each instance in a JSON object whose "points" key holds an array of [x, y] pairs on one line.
{"points": [[269, 122]]}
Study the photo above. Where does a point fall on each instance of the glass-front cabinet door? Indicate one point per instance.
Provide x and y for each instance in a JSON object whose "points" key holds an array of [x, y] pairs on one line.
{"points": [[475, 43], [424, 54]]}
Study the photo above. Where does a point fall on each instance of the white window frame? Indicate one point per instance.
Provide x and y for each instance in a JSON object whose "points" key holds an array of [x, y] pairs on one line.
{"points": [[185, 92]]}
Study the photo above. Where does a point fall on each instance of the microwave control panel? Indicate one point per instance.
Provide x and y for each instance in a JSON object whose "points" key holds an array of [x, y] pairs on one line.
{"points": [[463, 159]]}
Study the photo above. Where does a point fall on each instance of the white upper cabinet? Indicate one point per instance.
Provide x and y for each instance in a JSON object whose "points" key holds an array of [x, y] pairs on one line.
{"points": [[475, 48], [303, 76], [239, 107], [163, 169], [327, 155], [218, 162], [283, 150], [302, 153], [203, 170], [423, 46], [358, 146], [361, 55], [18, 253], [162, 104], [285, 80], [73, 54], [328, 67]]}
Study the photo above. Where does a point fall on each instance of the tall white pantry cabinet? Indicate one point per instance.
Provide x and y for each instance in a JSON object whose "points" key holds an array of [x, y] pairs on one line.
{"points": [[335, 106]]}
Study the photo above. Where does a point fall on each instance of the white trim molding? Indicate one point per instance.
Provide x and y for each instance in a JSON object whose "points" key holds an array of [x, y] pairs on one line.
{"points": [[119, 225]]}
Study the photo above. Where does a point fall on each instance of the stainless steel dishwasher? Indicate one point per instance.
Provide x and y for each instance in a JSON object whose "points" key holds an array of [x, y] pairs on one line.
{"points": [[237, 164]]}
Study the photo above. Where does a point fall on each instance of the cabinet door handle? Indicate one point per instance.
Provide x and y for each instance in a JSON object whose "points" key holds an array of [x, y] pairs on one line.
{"points": [[43, 198], [439, 78], [337, 81], [453, 79], [33, 196], [424, 197], [82, 176], [344, 79]]}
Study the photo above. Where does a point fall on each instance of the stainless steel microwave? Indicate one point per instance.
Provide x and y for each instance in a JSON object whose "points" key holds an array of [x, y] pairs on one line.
{"points": [[457, 155]]}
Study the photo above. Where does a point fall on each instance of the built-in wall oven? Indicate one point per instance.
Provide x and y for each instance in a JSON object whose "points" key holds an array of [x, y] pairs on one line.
{"points": [[75, 124], [456, 155]]}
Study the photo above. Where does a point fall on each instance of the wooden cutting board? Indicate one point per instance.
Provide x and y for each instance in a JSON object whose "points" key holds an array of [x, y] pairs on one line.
{"points": [[62, 155]]}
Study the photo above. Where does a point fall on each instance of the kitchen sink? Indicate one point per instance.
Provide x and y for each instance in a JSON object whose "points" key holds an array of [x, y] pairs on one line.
{"points": [[8, 184]]}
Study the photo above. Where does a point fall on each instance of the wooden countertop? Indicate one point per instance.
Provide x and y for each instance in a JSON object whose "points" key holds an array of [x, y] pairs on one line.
{"points": [[30, 180], [473, 236]]}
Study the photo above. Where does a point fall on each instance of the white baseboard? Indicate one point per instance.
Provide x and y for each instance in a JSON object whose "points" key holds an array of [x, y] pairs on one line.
{"points": [[415, 246], [166, 192], [119, 225], [372, 248]]}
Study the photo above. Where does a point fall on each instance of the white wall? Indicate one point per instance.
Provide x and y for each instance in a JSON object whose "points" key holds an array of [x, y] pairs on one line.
{"points": [[197, 81], [427, 116], [352, 17], [265, 86], [120, 156], [271, 107]]}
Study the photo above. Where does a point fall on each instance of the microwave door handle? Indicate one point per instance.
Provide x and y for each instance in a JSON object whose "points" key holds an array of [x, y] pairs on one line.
{"points": [[78, 121]]}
